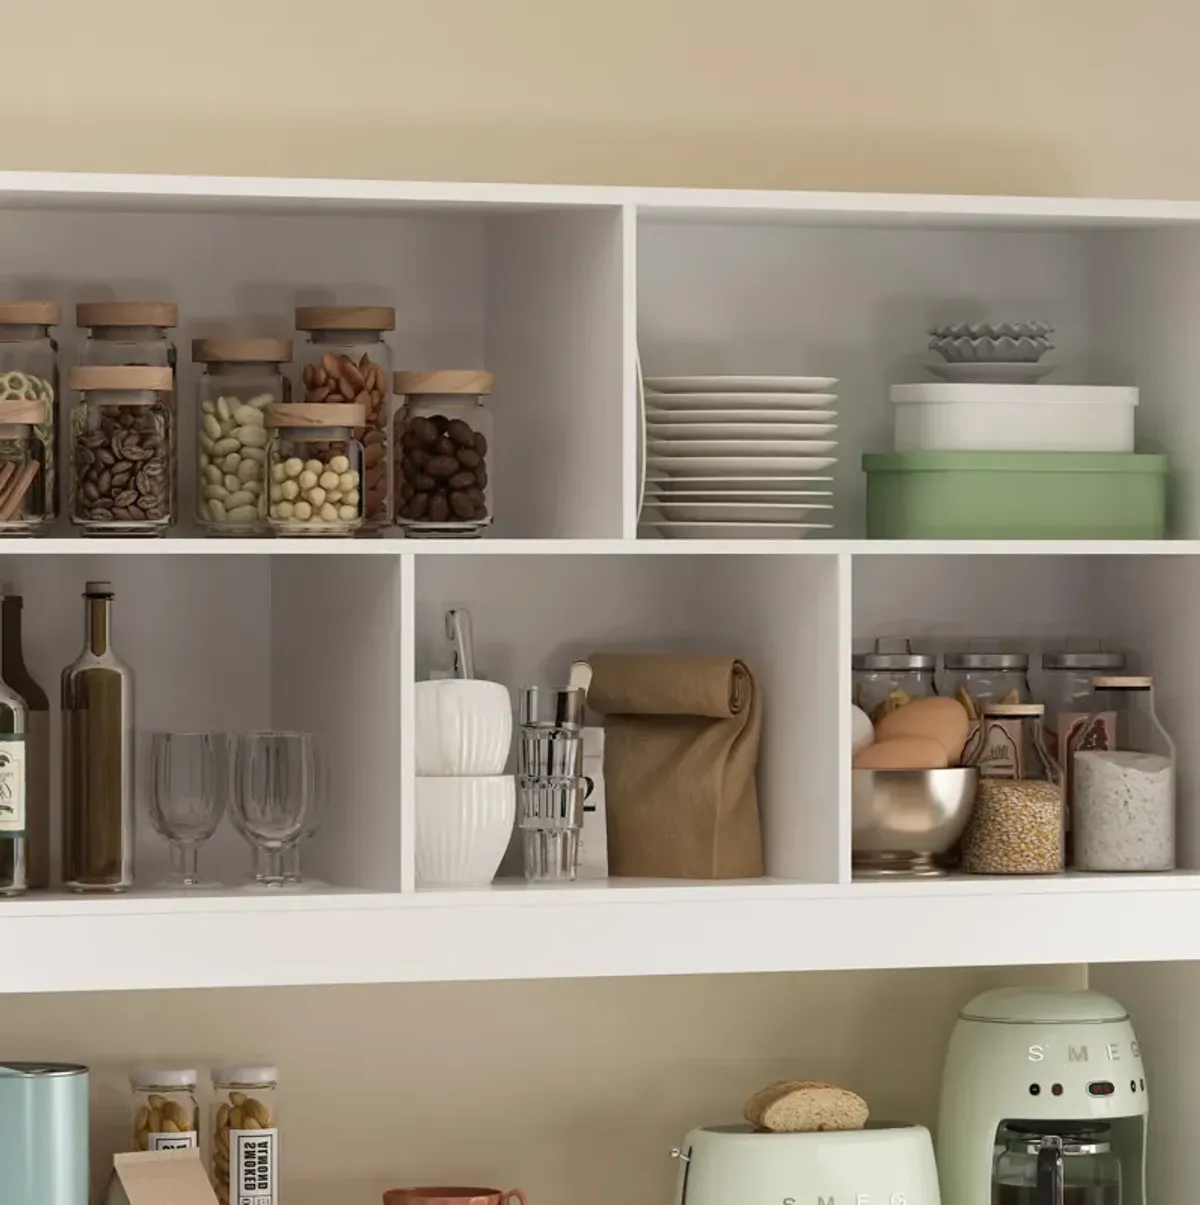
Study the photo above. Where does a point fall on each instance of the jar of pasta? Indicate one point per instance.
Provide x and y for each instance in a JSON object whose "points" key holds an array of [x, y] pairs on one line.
{"points": [[891, 675], [165, 1114], [245, 1135]]}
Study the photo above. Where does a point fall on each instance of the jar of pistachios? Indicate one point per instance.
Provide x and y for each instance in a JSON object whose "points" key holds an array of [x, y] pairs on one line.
{"points": [[165, 1114], [245, 1135]]}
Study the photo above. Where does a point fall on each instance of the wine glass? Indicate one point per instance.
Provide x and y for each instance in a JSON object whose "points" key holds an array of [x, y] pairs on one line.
{"points": [[276, 796], [189, 785]]}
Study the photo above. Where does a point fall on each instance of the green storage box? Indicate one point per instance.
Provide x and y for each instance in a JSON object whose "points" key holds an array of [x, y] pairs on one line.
{"points": [[1016, 496]]}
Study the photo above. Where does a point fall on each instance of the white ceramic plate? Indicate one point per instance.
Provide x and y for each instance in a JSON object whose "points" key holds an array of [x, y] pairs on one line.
{"points": [[683, 492], [740, 384], [740, 447], [739, 512], [998, 374], [656, 486], [641, 433], [739, 466], [793, 418], [740, 401], [771, 431], [737, 531]]}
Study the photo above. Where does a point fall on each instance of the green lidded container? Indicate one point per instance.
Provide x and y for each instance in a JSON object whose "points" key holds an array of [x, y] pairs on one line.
{"points": [[1016, 496]]}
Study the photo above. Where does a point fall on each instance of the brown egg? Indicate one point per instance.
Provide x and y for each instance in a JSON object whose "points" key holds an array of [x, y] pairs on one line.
{"points": [[903, 753], [941, 720]]}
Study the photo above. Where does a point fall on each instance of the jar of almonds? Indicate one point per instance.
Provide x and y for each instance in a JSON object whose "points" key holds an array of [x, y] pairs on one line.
{"points": [[443, 442], [245, 1135], [346, 360], [165, 1114]]}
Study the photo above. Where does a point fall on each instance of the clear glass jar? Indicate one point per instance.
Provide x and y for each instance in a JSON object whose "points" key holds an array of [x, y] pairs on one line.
{"points": [[1124, 805], [241, 378], [443, 435], [346, 360], [29, 392], [316, 468], [1018, 824], [976, 677], [123, 333], [122, 462], [244, 1116], [165, 1114], [890, 676]]}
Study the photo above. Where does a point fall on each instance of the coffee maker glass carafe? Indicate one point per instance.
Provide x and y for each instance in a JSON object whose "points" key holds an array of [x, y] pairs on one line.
{"points": [[1057, 1164]]}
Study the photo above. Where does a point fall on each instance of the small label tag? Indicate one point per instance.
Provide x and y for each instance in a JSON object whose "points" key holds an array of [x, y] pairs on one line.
{"points": [[253, 1167], [12, 783], [173, 1142]]}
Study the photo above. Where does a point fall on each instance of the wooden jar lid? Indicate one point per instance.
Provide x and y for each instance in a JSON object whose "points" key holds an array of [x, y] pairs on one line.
{"points": [[29, 313], [250, 350], [119, 376], [21, 411], [345, 318], [127, 313], [315, 414], [444, 380]]}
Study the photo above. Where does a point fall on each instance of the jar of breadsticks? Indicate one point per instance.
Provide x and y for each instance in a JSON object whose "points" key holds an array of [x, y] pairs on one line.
{"points": [[245, 1135], [165, 1114], [29, 416]]}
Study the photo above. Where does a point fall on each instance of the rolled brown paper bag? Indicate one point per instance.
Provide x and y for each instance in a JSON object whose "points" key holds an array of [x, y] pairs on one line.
{"points": [[680, 759]]}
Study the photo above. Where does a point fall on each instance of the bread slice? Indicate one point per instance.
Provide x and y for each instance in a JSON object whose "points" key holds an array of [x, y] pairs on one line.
{"points": [[794, 1106]]}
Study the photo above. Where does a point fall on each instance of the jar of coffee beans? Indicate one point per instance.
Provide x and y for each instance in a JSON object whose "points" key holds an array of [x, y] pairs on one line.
{"points": [[122, 441], [315, 469], [345, 360], [443, 447]]}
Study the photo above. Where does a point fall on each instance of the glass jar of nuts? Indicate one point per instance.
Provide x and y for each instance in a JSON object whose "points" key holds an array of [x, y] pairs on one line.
{"points": [[241, 378], [245, 1135], [165, 1114], [29, 395], [443, 438], [123, 466], [346, 360], [315, 469]]}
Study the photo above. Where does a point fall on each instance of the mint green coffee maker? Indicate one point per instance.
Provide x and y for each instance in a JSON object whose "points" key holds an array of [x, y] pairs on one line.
{"points": [[43, 1134], [1044, 1102]]}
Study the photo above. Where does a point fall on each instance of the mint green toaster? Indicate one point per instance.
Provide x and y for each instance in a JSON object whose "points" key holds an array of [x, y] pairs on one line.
{"points": [[43, 1134]]}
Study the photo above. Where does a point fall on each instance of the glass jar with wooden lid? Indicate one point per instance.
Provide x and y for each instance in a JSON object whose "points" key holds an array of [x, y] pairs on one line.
{"points": [[29, 413], [124, 333], [443, 436], [315, 469], [122, 450], [345, 359], [241, 378]]}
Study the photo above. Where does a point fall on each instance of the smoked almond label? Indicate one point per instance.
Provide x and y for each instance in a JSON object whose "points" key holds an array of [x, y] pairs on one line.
{"points": [[253, 1167]]}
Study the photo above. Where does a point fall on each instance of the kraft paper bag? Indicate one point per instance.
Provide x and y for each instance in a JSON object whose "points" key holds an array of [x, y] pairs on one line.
{"points": [[159, 1178], [681, 737]]}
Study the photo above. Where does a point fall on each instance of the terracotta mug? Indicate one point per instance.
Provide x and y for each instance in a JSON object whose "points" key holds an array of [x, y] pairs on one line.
{"points": [[452, 1196]]}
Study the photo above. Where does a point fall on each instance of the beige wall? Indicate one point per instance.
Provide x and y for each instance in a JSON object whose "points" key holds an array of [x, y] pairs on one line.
{"points": [[1061, 96], [574, 1090]]}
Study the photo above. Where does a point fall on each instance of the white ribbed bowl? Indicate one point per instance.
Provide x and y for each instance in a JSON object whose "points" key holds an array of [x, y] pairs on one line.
{"points": [[463, 727], [463, 829]]}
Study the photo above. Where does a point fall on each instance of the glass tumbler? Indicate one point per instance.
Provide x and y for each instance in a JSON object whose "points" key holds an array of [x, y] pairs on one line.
{"points": [[189, 786]]}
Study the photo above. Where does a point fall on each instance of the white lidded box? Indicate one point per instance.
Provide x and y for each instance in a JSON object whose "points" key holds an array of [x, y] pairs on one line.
{"points": [[1013, 418]]}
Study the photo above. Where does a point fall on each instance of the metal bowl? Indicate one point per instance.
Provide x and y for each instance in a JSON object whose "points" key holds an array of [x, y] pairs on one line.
{"points": [[903, 820]]}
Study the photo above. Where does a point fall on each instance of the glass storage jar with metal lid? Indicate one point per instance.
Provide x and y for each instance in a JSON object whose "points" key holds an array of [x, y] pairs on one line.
{"points": [[29, 395], [346, 360], [1018, 823], [443, 440], [165, 1114], [244, 1123], [241, 378], [890, 675], [1123, 817], [122, 461], [977, 675], [315, 469]]}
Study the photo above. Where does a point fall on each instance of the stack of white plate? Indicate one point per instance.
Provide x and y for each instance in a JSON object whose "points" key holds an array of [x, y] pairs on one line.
{"points": [[739, 457]]}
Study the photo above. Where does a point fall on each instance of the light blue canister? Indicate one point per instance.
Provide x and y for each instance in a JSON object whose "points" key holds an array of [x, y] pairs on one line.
{"points": [[44, 1133]]}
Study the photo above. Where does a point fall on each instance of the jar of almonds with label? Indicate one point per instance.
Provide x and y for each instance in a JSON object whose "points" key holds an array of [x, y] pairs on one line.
{"points": [[241, 378], [443, 438], [245, 1135], [29, 416], [165, 1114], [345, 360]]}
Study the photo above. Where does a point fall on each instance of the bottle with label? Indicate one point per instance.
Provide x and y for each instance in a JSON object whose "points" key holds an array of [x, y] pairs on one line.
{"points": [[245, 1135], [37, 742], [165, 1114], [14, 809], [97, 707]]}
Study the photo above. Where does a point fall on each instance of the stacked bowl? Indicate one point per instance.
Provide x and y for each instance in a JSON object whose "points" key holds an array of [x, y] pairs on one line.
{"points": [[738, 457], [466, 805]]}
